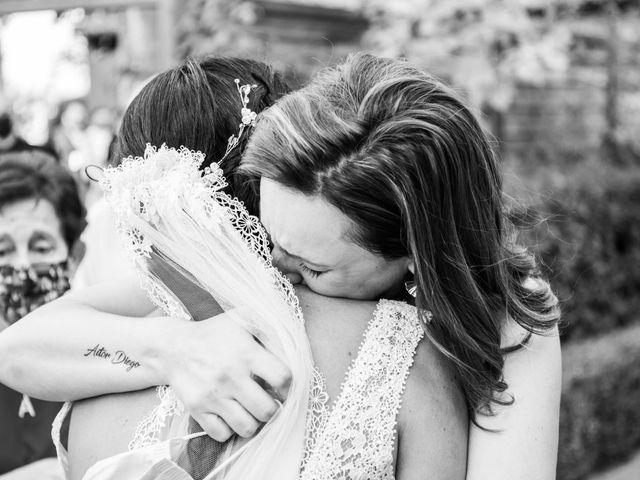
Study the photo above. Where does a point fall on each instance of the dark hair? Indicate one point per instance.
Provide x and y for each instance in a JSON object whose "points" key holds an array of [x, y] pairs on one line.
{"points": [[35, 174], [404, 158], [197, 105]]}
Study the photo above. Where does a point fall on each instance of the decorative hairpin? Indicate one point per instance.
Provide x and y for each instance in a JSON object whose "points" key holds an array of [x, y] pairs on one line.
{"points": [[248, 116]]}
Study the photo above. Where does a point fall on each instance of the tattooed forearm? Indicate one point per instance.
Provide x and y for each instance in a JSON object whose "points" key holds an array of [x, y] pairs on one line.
{"points": [[118, 357]]}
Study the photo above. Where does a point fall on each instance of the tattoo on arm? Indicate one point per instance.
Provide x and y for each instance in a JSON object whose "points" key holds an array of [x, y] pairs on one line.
{"points": [[118, 357]]}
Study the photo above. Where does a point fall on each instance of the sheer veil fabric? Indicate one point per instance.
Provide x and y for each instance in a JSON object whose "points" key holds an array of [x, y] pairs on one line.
{"points": [[198, 251]]}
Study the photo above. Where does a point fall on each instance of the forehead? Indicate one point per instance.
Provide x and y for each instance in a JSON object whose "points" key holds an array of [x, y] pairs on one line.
{"points": [[305, 225], [28, 215]]}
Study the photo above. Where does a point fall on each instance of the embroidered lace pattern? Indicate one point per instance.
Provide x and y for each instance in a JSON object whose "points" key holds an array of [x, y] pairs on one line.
{"points": [[148, 430], [355, 439], [138, 190]]}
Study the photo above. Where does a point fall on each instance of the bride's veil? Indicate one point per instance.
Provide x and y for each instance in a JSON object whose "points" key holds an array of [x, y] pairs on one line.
{"points": [[199, 252]]}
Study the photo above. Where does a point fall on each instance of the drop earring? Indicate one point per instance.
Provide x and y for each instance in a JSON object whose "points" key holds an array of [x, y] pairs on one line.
{"points": [[411, 288]]}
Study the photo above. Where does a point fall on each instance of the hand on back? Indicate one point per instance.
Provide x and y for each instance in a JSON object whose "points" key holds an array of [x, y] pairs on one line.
{"points": [[218, 370]]}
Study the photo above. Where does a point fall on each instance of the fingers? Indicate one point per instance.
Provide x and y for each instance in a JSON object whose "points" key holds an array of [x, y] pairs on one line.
{"points": [[269, 368], [215, 427], [256, 401], [237, 418]]}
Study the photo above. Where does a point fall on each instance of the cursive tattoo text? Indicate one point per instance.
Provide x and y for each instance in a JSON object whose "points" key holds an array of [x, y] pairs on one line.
{"points": [[119, 357]]}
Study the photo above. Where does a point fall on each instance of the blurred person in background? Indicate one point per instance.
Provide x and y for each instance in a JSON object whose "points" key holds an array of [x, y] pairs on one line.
{"points": [[11, 142], [100, 134], [68, 134], [105, 257], [41, 219]]}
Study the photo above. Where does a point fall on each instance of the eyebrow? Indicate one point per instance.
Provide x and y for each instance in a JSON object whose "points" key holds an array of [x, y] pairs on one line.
{"points": [[298, 257]]}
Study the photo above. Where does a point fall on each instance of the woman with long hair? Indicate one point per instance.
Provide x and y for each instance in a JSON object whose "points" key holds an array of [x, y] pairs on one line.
{"points": [[373, 176]]}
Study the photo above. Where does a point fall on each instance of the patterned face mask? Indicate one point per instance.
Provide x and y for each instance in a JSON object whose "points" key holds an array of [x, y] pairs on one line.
{"points": [[22, 290]]}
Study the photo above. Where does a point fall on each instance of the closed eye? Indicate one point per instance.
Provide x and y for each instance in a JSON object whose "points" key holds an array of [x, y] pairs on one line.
{"points": [[310, 271]]}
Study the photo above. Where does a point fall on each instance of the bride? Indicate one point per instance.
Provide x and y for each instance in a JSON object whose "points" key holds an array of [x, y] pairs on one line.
{"points": [[371, 272]]}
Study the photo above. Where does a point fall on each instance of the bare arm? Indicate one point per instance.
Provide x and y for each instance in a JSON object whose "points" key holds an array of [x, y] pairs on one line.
{"points": [[433, 421], [102, 427], [527, 445], [65, 350], [95, 342]]}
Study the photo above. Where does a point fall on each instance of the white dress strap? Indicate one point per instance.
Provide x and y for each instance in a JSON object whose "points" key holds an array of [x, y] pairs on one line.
{"points": [[56, 427], [357, 440]]}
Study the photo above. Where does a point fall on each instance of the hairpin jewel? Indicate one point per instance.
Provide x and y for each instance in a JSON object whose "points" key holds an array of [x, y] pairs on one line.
{"points": [[248, 116]]}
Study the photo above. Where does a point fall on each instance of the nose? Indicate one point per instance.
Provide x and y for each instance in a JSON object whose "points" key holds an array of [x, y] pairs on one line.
{"points": [[283, 261], [20, 258], [289, 267]]}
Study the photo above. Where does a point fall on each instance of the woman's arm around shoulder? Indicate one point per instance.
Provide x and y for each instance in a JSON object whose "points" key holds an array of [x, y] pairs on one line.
{"points": [[70, 348], [526, 443], [432, 423], [98, 341]]}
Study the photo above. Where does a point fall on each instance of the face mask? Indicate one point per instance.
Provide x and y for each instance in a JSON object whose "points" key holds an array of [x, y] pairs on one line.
{"points": [[22, 290], [5, 125]]}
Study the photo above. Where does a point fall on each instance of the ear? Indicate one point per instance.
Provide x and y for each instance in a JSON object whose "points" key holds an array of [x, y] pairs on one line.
{"points": [[76, 255], [411, 266]]}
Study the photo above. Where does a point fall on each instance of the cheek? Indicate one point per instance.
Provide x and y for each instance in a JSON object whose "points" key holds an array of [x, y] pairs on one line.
{"points": [[330, 284], [343, 284], [375, 280]]}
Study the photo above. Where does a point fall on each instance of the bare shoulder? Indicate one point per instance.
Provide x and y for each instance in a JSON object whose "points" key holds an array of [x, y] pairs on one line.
{"points": [[527, 443], [433, 422], [101, 427], [335, 327]]}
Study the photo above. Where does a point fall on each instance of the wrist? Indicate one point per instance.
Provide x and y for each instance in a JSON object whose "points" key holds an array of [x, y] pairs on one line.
{"points": [[161, 349]]}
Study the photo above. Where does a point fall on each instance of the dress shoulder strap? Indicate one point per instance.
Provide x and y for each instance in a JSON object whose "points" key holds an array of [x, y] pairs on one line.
{"points": [[56, 428], [357, 440]]}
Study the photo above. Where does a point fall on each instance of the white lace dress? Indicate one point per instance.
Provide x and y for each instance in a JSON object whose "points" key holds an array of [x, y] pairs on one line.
{"points": [[170, 211], [356, 438]]}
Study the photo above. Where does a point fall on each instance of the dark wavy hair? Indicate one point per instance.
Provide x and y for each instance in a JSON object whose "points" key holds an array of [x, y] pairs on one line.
{"points": [[405, 159], [197, 105], [35, 174]]}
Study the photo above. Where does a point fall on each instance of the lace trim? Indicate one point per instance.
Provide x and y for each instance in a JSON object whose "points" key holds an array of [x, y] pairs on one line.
{"points": [[319, 410], [356, 438], [139, 188], [317, 416], [56, 428], [149, 429]]}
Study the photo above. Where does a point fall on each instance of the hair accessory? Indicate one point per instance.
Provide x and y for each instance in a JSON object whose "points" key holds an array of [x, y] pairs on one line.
{"points": [[94, 172], [248, 116]]}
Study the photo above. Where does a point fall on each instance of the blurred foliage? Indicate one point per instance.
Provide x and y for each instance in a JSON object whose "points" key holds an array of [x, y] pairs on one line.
{"points": [[600, 409], [589, 241], [485, 47], [220, 26]]}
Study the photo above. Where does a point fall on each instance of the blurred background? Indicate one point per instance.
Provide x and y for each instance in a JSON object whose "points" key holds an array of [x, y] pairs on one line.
{"points": [[556, 81]]}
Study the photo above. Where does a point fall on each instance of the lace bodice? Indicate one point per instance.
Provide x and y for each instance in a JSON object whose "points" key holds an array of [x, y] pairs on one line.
{"points": [[356, 438]]}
